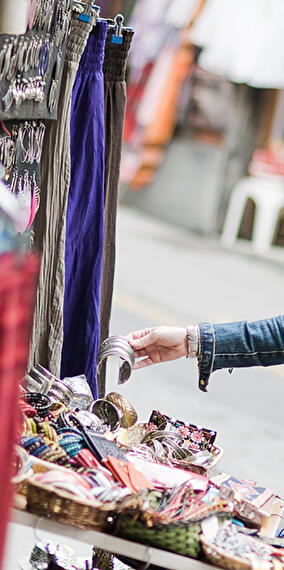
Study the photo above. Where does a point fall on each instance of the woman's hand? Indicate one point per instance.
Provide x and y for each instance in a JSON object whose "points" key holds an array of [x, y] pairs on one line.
{"points": [[158, 344]]}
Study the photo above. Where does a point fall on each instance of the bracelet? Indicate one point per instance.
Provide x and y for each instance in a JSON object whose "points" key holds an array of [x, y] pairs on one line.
{"points": [[23, 466], [192, 333], [27, 409], [40, 402]]}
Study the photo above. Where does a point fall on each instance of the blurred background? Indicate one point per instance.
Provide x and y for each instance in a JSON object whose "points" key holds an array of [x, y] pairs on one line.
{"points": [[201, 218]]}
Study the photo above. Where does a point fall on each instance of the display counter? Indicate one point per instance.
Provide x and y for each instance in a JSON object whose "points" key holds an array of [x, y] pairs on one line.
{"points": [[145, 493], [27, 528]]}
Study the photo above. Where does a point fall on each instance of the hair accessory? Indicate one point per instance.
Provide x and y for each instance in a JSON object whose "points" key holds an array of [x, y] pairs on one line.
{"points": [[44, 59]]}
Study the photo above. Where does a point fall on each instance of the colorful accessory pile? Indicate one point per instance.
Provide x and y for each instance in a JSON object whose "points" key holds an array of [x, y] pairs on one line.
{"points": [[149, 482]]}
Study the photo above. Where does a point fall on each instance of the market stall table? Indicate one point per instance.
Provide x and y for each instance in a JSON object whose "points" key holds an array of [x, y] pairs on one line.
{"points": [[98, 471], [41, 527]]}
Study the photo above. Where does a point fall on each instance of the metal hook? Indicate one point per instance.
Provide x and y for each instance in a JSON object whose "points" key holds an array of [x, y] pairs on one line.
{"points": [[148, 560], [88, 11], [117, 37], [35, 529]]}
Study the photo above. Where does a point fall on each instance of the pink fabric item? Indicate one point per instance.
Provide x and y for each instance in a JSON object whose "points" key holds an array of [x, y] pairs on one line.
{"points": [[18, 279], [34, 206]]}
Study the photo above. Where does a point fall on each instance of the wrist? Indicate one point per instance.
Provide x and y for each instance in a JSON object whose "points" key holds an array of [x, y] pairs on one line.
{"points": [[192, 337]]}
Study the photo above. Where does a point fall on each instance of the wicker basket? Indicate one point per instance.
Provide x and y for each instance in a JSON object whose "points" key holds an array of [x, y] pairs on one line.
{"points": [[45, 501], [37, 466], [181, 538], [23, 467], [219, 557], [133, 436]]}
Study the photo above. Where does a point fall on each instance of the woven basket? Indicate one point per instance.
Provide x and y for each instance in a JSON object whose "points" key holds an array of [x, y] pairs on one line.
{"points": [[133, 436], [38, 466], [219, 557], [181, 538], [23, 468], [45, 501]]}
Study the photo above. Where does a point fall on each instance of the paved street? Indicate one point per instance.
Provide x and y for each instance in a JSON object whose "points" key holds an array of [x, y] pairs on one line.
{"points": [[164, 275]]}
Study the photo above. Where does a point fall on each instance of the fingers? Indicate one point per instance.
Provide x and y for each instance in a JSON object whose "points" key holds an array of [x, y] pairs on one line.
{"points": [[143, 363], [142, 342], [142, 352], [138, 334]]}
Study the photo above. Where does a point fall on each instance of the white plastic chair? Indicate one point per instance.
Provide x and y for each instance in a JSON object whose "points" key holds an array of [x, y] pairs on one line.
{"points": [[268, 196]]}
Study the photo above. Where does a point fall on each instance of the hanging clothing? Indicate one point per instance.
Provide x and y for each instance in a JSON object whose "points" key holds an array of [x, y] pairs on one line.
{"points": [[85, 215], [242, 41], [18, 278], [160, 129], [114, 69], [159, 64], [50, 222]]}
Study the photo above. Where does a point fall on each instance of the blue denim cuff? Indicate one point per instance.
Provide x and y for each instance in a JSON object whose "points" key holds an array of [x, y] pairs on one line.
{"points": [[206, 354]]}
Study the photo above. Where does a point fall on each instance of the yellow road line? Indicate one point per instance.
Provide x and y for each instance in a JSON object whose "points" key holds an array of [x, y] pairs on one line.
{"points": [[142, 308]]}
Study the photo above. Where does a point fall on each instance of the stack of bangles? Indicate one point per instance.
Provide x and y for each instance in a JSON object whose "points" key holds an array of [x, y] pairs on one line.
{"points": [[34, 426], [52, 433], [172, 443], [62, 445], [47, 450], [168, 447], [85, 486], [39, 402]]}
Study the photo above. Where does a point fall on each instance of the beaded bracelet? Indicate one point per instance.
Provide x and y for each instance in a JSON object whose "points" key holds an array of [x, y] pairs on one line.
{"points": [[62, 430], [31, 444], [40, 450], [63, 452], [40, 402], [29, 426], [71, 448], [57, 408], [49, 431], [56, 456], [27, 409]]}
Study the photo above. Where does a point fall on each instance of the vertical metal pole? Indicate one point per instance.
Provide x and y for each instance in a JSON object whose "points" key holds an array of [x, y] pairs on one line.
{"points": [[13, 16]]}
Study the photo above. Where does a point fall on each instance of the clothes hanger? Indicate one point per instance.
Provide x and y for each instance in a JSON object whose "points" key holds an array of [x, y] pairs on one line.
{"points": [[117, 37], [86, 9], [89, 9]]}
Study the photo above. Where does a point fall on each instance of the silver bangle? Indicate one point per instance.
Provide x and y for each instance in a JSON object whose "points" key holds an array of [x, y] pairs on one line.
{"points": [[192, 333]]}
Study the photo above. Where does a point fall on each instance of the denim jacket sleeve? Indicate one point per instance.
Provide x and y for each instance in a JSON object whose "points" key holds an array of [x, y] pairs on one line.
{"points": [[239, 344]]}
